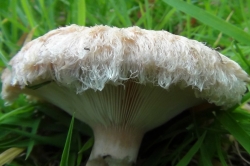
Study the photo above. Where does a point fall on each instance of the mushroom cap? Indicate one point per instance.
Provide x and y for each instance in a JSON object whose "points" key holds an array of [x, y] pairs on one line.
{"points": [[83, 58]]}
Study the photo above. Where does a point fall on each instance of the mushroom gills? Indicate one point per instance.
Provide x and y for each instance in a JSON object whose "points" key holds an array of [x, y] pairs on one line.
{"points": [[120, 114]]}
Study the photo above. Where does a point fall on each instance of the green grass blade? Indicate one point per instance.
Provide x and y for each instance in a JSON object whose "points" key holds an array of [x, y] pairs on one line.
{"points": [[120, 8], [148, 15], [210, 20], [176, 153], [51, 140], [7, 141], [28, 12], [65, 155], [244, 99], [219, 151], [87, 145], [72, 159], [32, 142], [165, 19], [205, 158], [79, 155], [13, 22], [242, 56], [143, 16], [15, 17], [4, 60], [235, 129], [16, 112], [45, 12], [81, 12], [187, 158]]}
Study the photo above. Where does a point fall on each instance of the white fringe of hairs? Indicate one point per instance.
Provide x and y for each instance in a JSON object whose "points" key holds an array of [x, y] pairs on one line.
{"points": [[89, 58]]}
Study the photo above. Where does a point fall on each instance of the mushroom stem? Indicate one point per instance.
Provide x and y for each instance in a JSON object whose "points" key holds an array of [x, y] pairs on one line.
{"points": [[116, 144]]}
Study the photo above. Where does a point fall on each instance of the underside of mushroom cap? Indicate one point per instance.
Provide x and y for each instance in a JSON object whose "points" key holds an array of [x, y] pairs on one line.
{"points": [[89, 57], [120, 115]]}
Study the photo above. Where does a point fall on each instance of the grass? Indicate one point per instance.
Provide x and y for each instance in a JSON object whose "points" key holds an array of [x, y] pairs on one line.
{"points": [[45, 135]]}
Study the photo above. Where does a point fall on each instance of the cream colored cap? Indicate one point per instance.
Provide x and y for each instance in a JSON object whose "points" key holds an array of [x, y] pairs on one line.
{"points": [[90, 57]]}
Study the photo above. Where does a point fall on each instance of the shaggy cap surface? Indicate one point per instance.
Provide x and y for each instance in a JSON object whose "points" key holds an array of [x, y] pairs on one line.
{"points": [[89, 57]]}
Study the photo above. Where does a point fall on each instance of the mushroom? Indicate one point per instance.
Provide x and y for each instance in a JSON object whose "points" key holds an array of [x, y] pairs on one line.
{"points": [[122, 82]]}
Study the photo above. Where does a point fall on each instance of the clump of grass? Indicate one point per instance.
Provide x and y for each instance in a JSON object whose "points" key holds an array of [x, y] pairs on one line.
{"points": [[199, 136]]}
